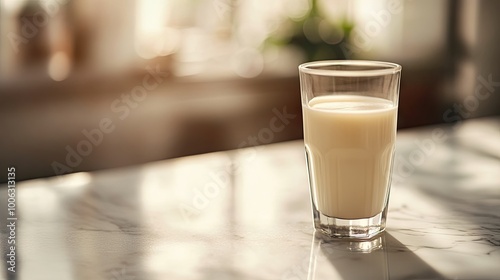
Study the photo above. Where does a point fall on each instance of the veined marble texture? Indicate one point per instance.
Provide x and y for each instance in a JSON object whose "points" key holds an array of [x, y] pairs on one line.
{"points": [[246, 214]]}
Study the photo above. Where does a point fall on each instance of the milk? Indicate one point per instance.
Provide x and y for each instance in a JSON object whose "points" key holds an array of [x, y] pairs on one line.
{"points": [[349, 143]]}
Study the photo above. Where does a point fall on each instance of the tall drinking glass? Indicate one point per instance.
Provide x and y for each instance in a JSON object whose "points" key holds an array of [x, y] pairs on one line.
{"points": [[350, 117]]}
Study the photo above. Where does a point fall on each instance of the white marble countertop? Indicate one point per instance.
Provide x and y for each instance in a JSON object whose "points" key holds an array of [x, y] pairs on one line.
{"points": [[246, 215]]}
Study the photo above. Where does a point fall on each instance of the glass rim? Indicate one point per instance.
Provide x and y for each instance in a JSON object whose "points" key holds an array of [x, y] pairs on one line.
{"points": [[388, 68]]}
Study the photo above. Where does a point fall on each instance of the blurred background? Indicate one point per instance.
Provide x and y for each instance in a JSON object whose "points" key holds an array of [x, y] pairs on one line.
{"points": [[88, 85]]}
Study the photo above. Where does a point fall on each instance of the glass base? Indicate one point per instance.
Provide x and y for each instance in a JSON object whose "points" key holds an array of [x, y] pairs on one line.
{"points": [[335, 228]]}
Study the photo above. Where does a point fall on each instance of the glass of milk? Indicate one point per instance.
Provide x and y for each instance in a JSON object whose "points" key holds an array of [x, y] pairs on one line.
{"points": [[350, 116]]}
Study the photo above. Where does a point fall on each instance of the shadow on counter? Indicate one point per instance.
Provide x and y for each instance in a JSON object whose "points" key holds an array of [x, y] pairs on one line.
{"points": [[380, 258]]}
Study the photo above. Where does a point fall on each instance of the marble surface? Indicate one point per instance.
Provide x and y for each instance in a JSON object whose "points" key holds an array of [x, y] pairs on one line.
{"points": [[246, 214]]}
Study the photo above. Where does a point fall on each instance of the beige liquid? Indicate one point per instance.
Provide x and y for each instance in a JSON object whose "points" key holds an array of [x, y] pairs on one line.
{"points": [[350, 143]]}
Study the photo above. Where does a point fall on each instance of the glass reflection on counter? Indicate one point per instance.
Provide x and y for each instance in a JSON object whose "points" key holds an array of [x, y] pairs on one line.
{"points": [[349, 259], [383, 257]]}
